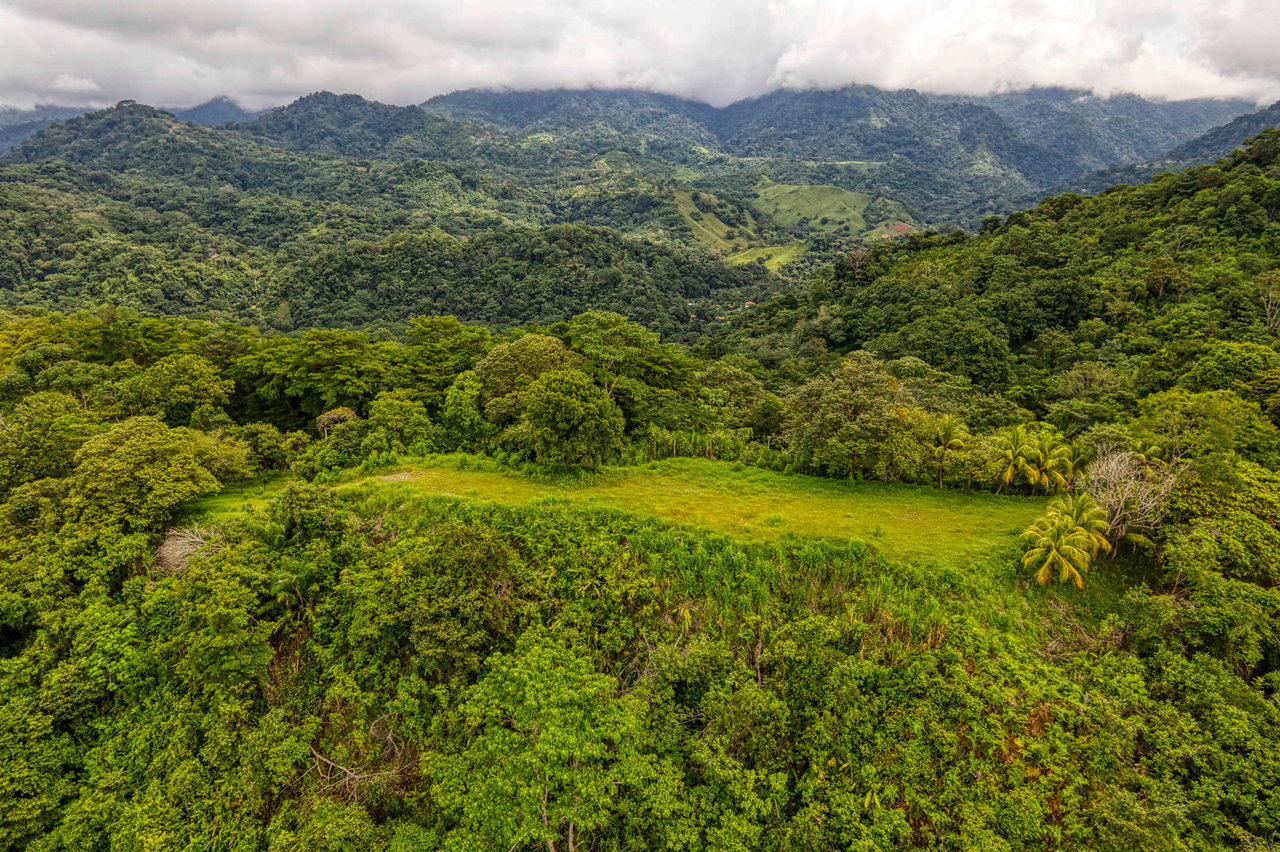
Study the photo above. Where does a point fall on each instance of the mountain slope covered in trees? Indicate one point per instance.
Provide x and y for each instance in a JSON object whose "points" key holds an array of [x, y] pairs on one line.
{"points": [[1094, 132], [949, 158], [1202, 150], [130, 206]]}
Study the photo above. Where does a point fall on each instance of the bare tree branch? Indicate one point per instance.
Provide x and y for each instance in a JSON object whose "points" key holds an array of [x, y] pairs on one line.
{"points": [[1133, 491]]}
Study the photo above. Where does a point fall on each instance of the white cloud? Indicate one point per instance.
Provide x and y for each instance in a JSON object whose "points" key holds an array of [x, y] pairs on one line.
{"points": [[403, 51]]}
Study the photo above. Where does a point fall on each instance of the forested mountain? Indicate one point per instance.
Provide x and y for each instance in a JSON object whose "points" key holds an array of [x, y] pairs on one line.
{"points": [[1076, 308], [1207, 148], [344, 179], [950, 158], [132, 207], [368, 634], [19, 124], [1221, 141], [1094, 132], [947, 159], [351, 126], [10, 117], [217, 111], [612, 118]]}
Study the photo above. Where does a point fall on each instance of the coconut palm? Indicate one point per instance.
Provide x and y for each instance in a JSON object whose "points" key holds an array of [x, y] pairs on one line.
{"points": [[1057, 544], [1014, 448], [950, 439], [1086, 514], [1150, 455], [1074, 460], [1048, 459]]}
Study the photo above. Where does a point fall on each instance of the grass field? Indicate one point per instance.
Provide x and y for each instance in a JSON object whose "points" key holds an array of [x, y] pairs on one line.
{"points": [[788, 203], [235, 499], [906, 522], [774, 256], [707, 227]]}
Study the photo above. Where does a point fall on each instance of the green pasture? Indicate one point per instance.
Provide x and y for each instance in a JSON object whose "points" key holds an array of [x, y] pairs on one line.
{"points": [[909, 522], [774, 256]]}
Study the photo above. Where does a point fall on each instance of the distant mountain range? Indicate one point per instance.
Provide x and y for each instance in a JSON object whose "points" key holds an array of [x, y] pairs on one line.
{"points": [[19, 124], [1206, 148], [948, 157], [851, 161], [217, 111]]}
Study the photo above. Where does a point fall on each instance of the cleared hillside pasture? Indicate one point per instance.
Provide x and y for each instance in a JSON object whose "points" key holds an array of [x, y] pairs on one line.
{"points": [[825, 208], [774, 256], [707, 227], [906, 522]]}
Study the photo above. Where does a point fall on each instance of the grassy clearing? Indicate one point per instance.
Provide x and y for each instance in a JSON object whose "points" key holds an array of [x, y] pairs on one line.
{"points": [[707, 227], [787, 204], [906, 522], [712, 233], [235, 499], [774, 256], [830, 209]]}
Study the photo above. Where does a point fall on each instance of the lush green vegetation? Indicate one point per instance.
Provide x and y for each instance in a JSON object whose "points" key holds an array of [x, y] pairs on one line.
{"points": [[973, 542], [129, 207], [918, 524], [1202, 150], [949, 159]]}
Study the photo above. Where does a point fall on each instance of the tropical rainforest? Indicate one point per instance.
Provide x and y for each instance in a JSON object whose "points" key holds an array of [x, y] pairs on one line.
{"points": [[601, 471]]}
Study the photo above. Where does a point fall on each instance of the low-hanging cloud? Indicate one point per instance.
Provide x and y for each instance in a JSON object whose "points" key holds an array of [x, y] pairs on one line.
{"points": [[265, 52]]}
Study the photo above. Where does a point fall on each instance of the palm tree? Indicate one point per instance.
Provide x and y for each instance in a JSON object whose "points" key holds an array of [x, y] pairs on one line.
{"points": [[1074, 460], [950, 439], [1014, 448], [1058, 544], [1048, 459], [1081, 509], [1150, 455]]}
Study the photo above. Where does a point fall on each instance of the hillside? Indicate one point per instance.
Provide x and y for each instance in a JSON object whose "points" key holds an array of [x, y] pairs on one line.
{"points": [[1075, 309], [19, 124], [970, 542], [944, 160], [350, 126], [1095, 132], [951, 159], [1221, 141], [131, 206], [348, 639], [1212, 145]]}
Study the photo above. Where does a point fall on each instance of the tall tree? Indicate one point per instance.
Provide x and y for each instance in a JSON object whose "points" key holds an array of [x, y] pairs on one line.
{"points": [[546, 753], [571, 420]]}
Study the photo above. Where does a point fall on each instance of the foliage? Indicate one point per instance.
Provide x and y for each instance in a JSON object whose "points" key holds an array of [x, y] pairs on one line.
{"points": [[569, 420], [1066, 539], [139, 471], [681, 641]]}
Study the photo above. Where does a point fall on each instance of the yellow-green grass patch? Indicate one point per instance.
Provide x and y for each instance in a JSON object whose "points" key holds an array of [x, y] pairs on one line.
{"points": [[774, 256], [916, 523], [787, 204]]}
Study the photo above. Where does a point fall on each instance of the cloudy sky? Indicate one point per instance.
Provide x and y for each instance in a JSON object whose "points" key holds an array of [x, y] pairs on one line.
{"points": [[264, 52]]}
